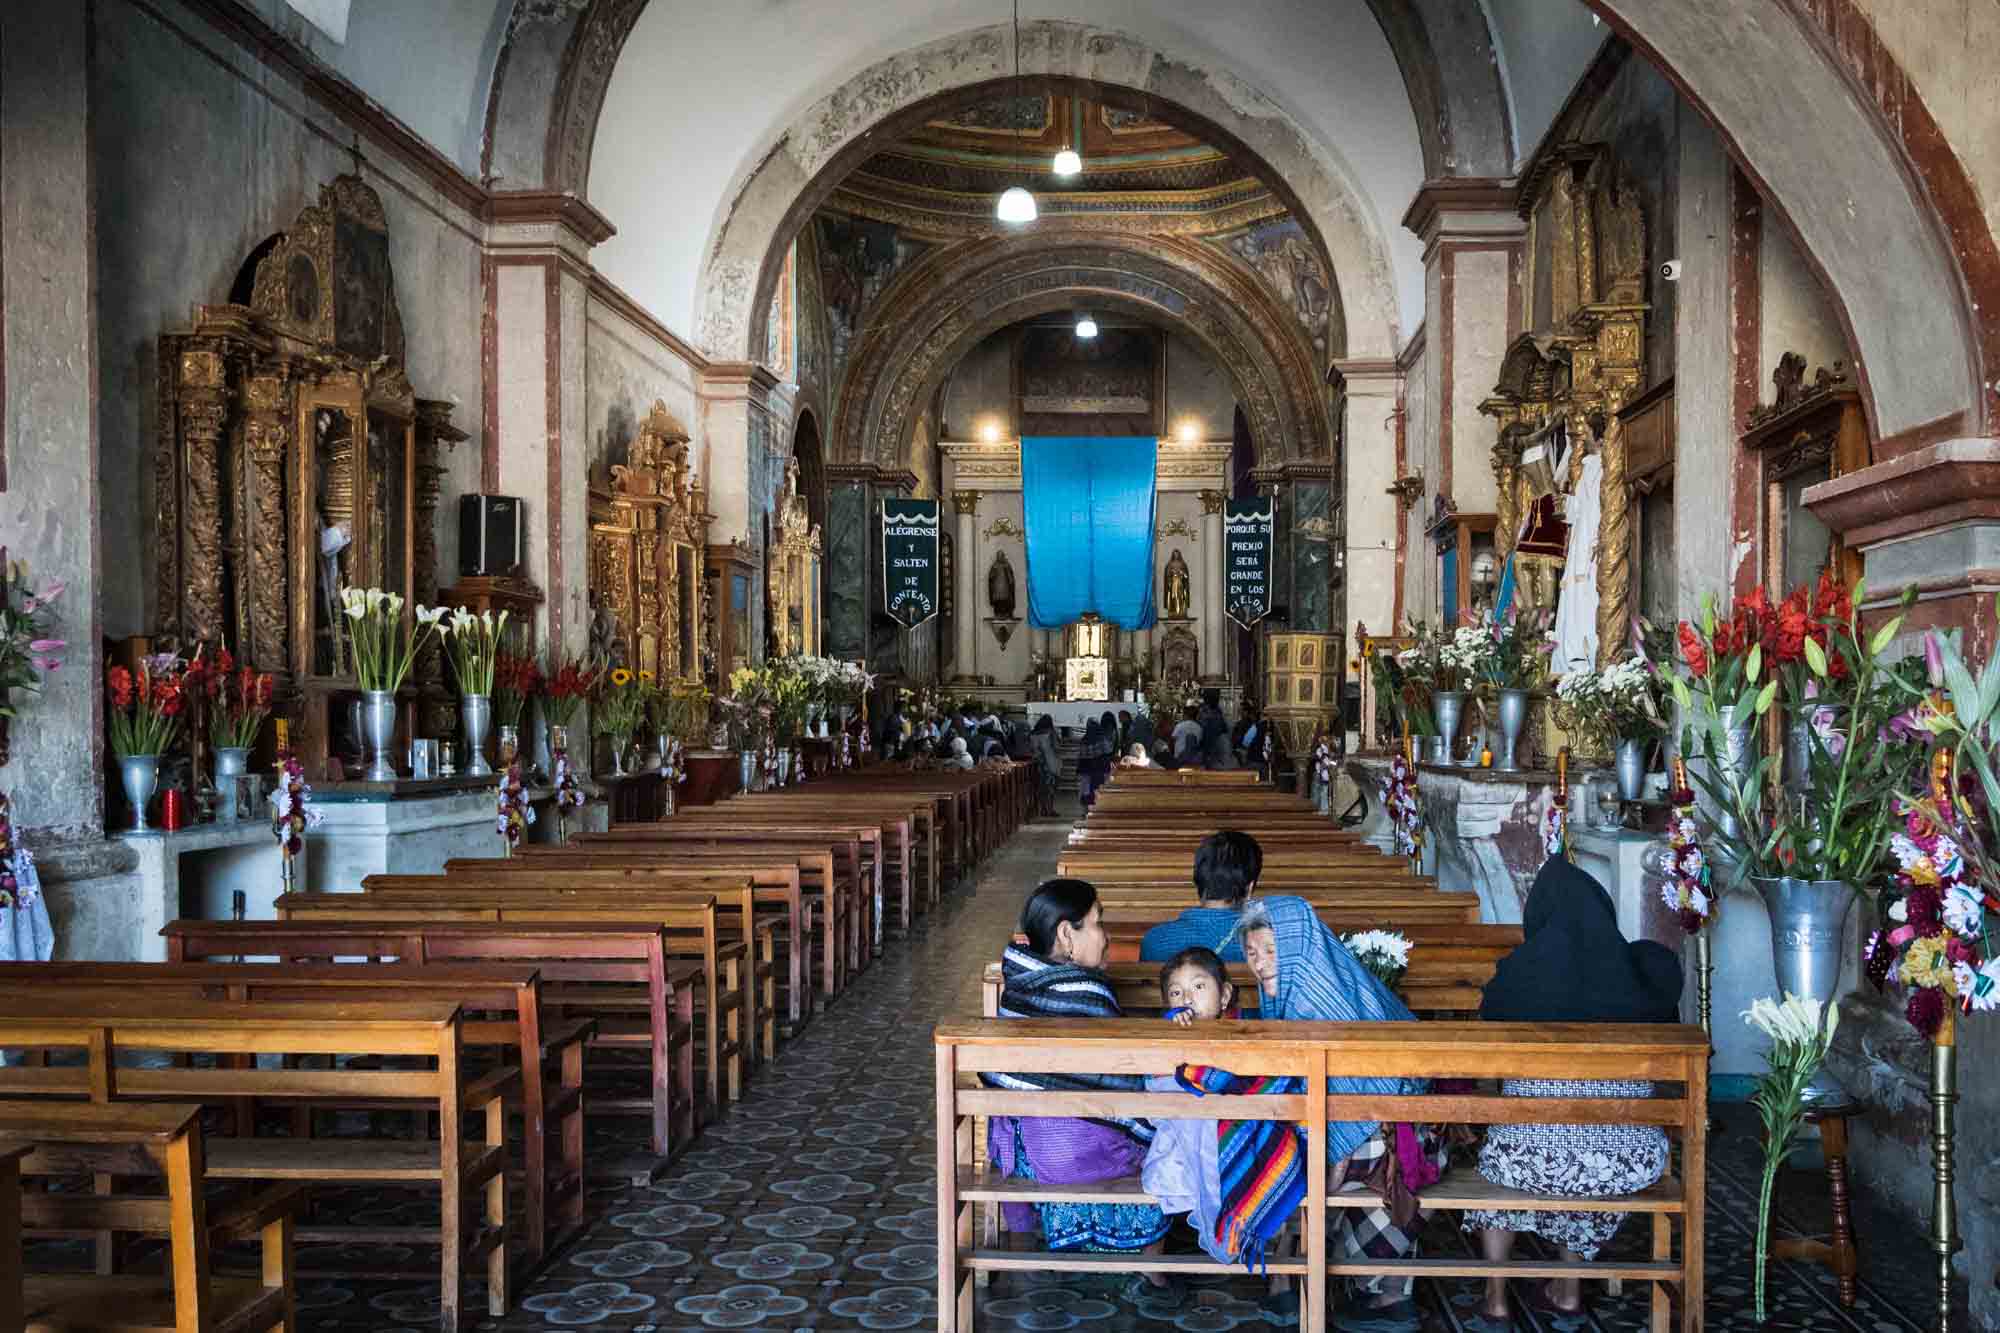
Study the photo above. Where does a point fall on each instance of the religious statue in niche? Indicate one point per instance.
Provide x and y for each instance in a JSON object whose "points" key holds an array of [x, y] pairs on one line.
{"points": [[1576, 604], [1000, 587], [1178, 596]]}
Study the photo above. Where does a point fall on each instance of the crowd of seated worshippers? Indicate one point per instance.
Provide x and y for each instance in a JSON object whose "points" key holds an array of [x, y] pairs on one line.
{"points": [[1572, 966]]}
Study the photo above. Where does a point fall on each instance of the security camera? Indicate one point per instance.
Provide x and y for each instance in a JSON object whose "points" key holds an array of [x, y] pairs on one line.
{"points": [[1671, 270]]}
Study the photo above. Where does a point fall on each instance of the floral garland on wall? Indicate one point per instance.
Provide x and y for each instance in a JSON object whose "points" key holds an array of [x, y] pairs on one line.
{"points": [[291, 816], [10, 888], [673, 765], [1399, 798], [847, 749], [1686, 890], [513, 813], [798, 766]]}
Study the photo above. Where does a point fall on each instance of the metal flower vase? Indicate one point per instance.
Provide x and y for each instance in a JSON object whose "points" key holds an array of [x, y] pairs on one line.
{"points": [[378, 729], [231, 763], [1513, 717], [1631, 760], [1739, 756], [1447, 708], [475, 719], [1808, 925], [746, 770], [141, 775]]}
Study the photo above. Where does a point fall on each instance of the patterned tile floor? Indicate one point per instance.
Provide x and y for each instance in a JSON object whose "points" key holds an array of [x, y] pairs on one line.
{"points": [[810, 1205]]}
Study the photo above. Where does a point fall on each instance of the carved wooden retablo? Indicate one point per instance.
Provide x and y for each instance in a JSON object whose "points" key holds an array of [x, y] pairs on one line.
{"points": [[293, 459], [648, 541], [792, 573]]}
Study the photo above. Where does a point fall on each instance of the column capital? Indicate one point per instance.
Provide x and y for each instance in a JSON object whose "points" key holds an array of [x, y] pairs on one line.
{"points": [[1465, 208], [1212, 502], [965, 503], [555, 209]]}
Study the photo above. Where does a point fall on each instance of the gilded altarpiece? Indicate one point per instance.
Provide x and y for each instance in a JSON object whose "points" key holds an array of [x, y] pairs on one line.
{"points": [[293, 459], [648, 543], [793, 572], [1562, 384]]}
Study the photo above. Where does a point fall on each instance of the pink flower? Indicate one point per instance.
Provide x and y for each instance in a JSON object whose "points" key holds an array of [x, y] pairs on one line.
{"points": [[1933, 659], [47, 645], [53, 591], [49, 663]]}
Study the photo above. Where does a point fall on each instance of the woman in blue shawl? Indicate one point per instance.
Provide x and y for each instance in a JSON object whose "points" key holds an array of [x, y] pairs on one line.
{"points": [[1306, 973]]}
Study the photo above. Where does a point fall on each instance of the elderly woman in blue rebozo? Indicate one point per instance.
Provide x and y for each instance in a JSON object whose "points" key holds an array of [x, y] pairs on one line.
{"points": [[1305, 973]]}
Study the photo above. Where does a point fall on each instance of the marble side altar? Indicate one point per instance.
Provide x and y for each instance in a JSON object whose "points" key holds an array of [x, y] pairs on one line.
{"points": [[197, 871], [1485, 832]]}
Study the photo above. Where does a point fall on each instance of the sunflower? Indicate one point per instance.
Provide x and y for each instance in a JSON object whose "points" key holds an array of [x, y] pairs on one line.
{"points": [[645, 678], [620, 676]]}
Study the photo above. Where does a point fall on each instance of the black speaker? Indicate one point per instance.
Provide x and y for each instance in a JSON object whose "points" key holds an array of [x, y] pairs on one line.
{"points": [[491, 535]]}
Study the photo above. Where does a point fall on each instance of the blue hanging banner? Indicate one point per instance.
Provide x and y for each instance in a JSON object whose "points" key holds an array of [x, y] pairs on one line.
{"points": [[1089, 506]]}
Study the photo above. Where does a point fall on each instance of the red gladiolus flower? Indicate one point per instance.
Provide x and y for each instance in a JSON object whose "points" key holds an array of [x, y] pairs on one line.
{"points": [[119, 682], [1692, 652]]}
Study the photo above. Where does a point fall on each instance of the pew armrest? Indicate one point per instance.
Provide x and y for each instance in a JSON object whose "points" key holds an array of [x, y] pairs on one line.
{"points": [[495, 1083]]}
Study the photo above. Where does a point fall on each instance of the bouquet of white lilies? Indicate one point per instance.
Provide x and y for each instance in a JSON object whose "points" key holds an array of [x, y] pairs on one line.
{"points": [[1384, 953], [384, 647], [475, 648], [1800, 1032]]}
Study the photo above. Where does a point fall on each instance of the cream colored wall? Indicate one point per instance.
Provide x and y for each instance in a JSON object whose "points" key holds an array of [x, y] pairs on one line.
{"points": [[1479, 343], [1947, 48], [1420, 454], [1797, 317], [1369, 467]]}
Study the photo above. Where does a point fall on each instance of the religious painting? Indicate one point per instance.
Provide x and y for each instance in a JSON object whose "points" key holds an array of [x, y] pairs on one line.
{"points": [[1280, 253], [1107, 385], [857, 259], [361, 282], [1027, 115]]}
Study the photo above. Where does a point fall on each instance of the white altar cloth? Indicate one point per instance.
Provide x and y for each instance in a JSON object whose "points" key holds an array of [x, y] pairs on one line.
{"points": [[1075, 714]]}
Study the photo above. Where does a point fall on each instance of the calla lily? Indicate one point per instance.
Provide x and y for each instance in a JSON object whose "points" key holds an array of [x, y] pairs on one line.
{"points": [[1933, 659]]}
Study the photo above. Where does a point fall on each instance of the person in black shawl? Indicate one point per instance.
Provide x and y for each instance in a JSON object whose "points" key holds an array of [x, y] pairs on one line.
{"points": [[1573, 966]]}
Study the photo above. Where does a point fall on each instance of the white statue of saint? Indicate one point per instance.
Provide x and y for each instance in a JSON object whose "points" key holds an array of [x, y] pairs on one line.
{"points": [[1576, 603]]}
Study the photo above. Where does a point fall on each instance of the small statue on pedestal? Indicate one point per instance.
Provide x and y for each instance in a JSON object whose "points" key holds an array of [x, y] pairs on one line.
{"points": [[1178, 596]]}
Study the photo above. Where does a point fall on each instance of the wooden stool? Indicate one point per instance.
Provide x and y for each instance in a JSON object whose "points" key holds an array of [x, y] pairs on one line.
{"points": [[1839, 1253]]}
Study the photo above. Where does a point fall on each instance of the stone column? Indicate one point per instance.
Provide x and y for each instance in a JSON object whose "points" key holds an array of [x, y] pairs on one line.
{"points": [[1368, 573], [965, 578], [1473, 305], [537, 273], [1213, 668]]}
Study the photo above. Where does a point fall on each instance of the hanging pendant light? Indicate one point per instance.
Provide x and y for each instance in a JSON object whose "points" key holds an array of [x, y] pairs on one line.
{"points": [[1068, 162], [1086, 327], [1016, 204]]}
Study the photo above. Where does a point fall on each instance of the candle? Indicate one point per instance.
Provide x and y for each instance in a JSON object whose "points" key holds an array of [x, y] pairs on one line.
{"points": [[1562, 774]]}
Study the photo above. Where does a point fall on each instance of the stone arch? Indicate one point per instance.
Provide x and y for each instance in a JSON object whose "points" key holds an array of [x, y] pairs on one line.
{"points": [[809, 448], [812, 154], [1885, 215], [549, 80], [1464, 120], [932, 314]]}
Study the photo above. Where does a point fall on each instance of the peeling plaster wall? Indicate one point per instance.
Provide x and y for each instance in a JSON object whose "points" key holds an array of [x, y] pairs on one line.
{"points": [[1368, 468], [1543, 47], [1796, 315], [625, 370], [174, 226], [1420, 455], [430, 63], [701, 94], [1945, 46]]}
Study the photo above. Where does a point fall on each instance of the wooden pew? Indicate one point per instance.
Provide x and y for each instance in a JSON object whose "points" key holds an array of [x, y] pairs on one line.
{"points": [[623, 958], [894, 837], [1666, 1054], [734, 887], [103, 1025], [1442, 979], [1134, 776], [162, 1139], [829, 870], [552, 1182], [689, 921], [1124, 935], [779, 879]]}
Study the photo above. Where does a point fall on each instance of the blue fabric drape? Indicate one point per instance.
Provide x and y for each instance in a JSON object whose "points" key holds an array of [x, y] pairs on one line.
{"points": [[1089, 505]]}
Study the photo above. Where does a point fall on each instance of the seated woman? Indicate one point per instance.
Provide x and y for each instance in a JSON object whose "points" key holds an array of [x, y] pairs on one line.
{"points": [[1058, 976], [1306, 973], [958, 758], [1572, 967]]}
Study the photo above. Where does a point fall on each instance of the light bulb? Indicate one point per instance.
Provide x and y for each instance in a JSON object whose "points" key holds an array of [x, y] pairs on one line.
{"points": [[1068, 163], [1016, 205], [990, 431], [1190, 432], [1086, 327]]}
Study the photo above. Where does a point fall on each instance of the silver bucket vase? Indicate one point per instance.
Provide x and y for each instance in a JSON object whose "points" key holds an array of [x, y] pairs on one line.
{"points": [[1739, 756], [1808, 926], [1447, 708], [475, 719], [1631, 769], [1513, 717], [746, 769], [140, 774], [231, 763], [378, 728], [784, 767]]}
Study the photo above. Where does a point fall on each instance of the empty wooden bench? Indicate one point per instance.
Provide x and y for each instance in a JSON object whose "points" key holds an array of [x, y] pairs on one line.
{"points": [[471, 1175], [549, 1055], [592, 969]]}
